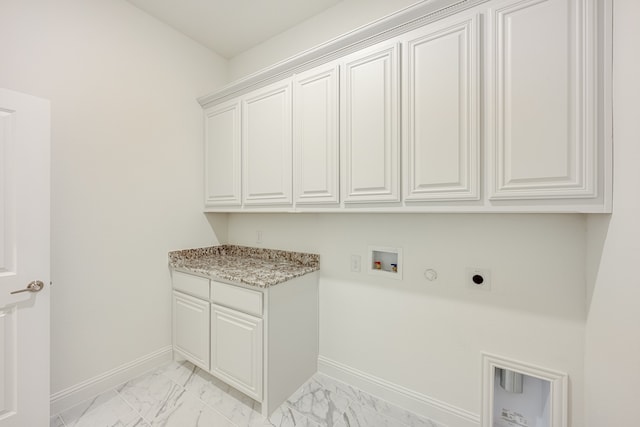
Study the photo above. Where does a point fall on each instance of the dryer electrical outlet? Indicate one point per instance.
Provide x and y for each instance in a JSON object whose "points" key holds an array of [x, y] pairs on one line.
{"points": [[478, 278]]}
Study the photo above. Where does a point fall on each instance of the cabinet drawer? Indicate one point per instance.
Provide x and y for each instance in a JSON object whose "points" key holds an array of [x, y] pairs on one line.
{"points": [[190, 284], [236, 297]]}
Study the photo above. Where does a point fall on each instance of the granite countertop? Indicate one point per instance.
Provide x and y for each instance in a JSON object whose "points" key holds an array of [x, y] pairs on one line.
{"points": [[242, 264]]}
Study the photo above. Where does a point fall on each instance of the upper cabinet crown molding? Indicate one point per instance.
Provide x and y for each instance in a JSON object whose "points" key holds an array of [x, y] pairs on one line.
{"points": [[397, 23]]}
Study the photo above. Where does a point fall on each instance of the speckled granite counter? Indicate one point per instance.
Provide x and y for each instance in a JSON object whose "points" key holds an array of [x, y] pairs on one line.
{"points": [[252, 266]]}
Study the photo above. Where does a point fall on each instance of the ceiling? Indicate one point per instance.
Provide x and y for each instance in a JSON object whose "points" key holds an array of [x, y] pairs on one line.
{"points": [[230, 27]]}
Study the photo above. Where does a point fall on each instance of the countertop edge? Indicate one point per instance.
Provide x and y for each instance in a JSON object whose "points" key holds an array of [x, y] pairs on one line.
{"points": [[238, 281], [244, 265]]}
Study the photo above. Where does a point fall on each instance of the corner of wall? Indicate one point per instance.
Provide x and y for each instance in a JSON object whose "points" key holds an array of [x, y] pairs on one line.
{"points": [[219, 223], [597, 229]]}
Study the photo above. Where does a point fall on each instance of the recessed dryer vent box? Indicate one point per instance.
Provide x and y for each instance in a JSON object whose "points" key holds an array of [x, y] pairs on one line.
{"points": [[385, 261], [518, 394]]}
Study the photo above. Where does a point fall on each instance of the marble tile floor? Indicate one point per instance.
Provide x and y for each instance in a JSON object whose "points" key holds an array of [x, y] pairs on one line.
{"points": [[182, 395]]}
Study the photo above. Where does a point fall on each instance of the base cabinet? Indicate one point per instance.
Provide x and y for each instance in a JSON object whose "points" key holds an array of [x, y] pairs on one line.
{"points": [[236, 349], [262, 342]]}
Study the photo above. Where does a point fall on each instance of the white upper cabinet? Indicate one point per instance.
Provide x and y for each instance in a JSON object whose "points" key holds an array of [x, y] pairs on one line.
{"points": [[495, 106], [369, 92], [441, 114], [315, 132], [222, 155], [542, 123], [266, 145]]}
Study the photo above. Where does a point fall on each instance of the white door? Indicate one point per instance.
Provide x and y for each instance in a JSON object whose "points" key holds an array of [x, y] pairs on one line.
{"points": [[542, 129], [441, 111], [266, 146], [236, 349], [315, 132], [222, 155], [369, 92], [24, 260], [191, 328]]}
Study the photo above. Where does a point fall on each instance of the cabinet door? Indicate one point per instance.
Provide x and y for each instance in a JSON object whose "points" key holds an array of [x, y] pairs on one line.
{"points": [[191, 328], [315, 132], [266, 144], [441, 112], [542, 122], [236, 349], [369, 125], [222, 155]]}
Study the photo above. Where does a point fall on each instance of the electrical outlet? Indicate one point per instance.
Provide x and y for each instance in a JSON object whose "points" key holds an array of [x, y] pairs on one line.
{"points": [[355, 263], [258, 236], [478, 278]]}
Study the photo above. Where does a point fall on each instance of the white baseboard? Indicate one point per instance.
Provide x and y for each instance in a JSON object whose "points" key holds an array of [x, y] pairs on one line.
{"points": [[71, 396], [410, 400]]}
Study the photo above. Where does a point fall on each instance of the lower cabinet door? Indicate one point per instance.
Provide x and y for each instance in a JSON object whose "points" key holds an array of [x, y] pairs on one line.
{"points": [[236, 349], [191, 328]]}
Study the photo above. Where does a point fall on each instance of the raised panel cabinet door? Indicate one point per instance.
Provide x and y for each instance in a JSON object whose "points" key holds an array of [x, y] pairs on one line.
{"points": [[441, 112], [236, 349], [369, 92], [315, 132], [543, 120], [191, 328], [222, 155], [266, 144]]}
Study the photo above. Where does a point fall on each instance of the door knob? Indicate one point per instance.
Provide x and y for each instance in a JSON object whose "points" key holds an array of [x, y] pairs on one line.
{"points": [[35, 286]]}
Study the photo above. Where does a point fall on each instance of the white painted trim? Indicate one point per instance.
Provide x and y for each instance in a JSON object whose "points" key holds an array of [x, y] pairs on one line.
{"points": [[606, 133], [71, 396], [559, 387], [408, 399], [516, 206], [385, 28]]}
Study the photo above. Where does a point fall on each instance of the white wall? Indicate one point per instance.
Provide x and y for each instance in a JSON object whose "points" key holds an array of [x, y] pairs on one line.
{"points": [[427, 336], [126, 175], [126, 137], [612, 362], [329, 24]]}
